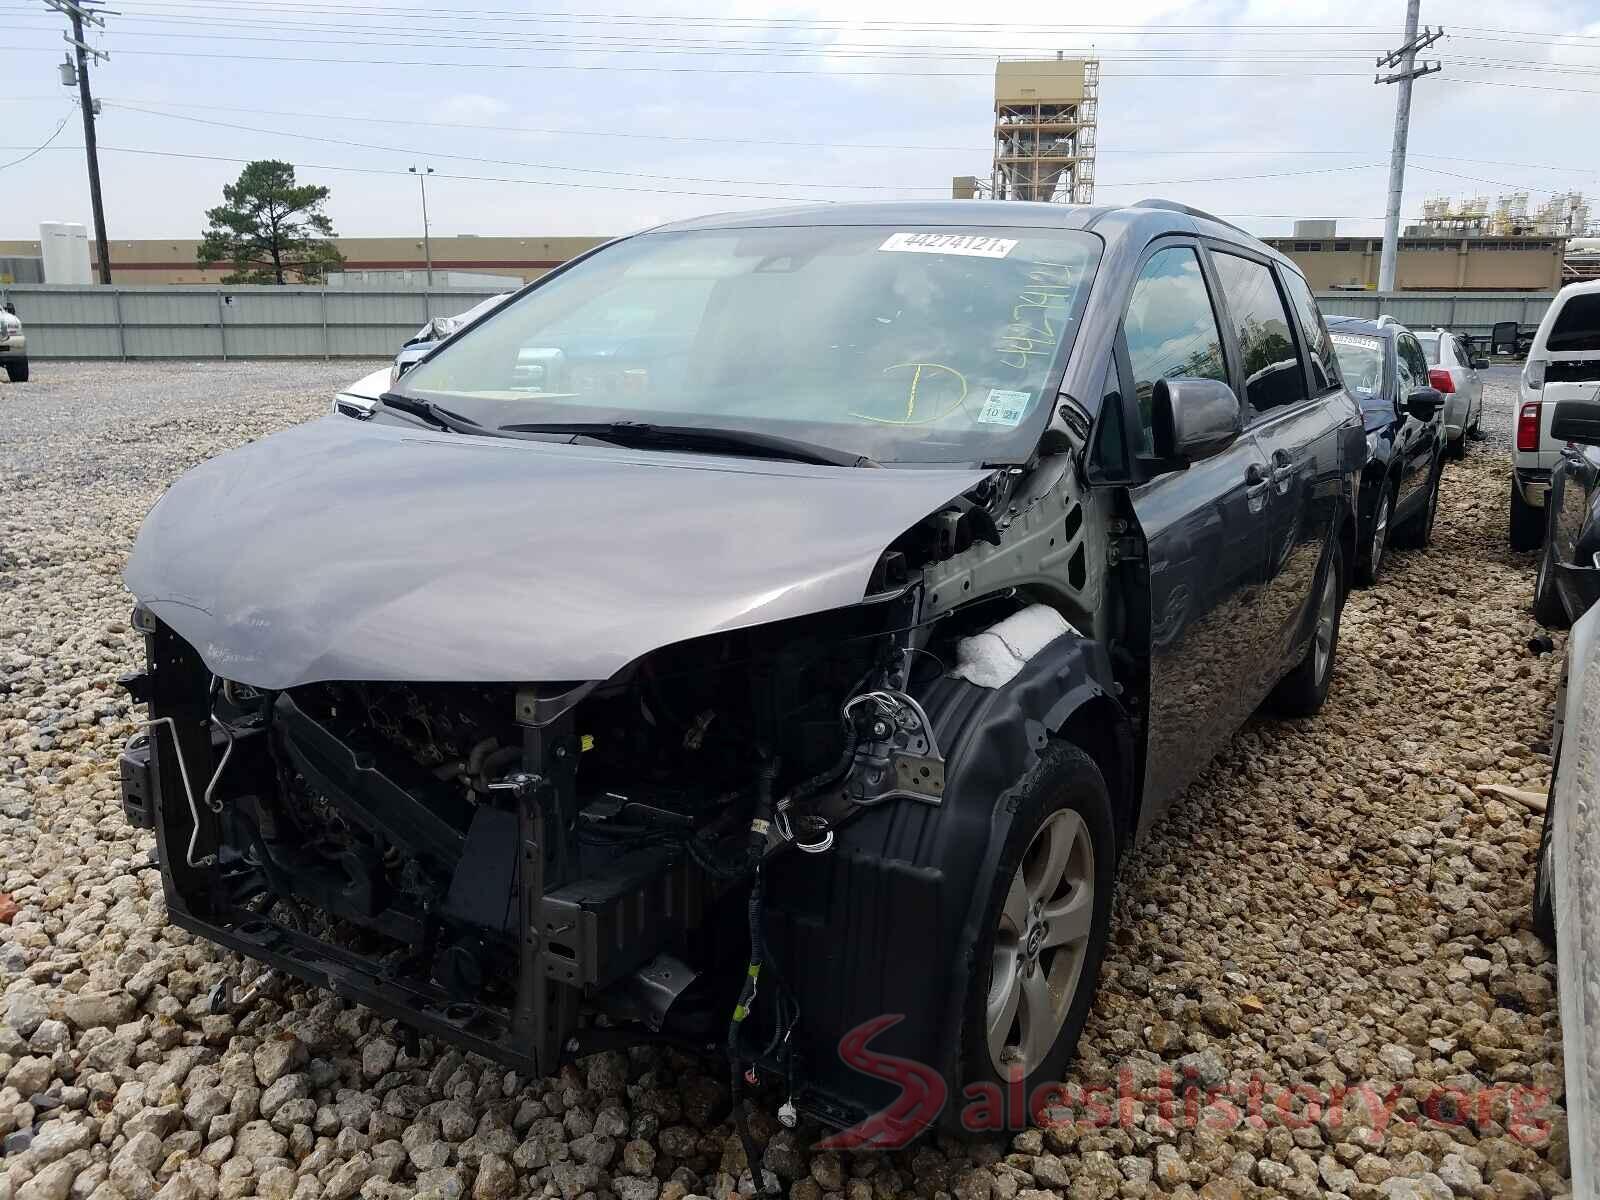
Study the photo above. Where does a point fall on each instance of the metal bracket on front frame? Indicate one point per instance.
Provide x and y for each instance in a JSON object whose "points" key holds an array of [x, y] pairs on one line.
{"points": [[897, 754]]}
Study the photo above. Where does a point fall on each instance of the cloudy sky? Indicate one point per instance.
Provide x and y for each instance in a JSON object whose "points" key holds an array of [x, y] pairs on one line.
{"points": [[1259, 111]]}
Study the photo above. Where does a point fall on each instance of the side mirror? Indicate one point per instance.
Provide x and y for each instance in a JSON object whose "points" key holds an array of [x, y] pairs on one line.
{"points": [[1577, 421], [1424, 403], [1480, 363], [11, 308], [1192, 419]]}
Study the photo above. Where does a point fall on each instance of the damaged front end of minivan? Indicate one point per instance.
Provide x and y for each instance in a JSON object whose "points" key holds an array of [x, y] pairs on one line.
{"points": [[535, 775]]}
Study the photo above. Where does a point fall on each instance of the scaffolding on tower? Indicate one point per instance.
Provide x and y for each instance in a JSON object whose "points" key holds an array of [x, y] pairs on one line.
{"points": [[1045, 111]]}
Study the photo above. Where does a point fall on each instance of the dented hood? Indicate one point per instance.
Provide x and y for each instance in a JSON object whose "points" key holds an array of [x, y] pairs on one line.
{"points": [[358, 550]]}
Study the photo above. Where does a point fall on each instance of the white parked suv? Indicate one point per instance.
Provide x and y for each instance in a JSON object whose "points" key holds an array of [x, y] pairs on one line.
{"points": [[1563, 364], [1453, 370]]}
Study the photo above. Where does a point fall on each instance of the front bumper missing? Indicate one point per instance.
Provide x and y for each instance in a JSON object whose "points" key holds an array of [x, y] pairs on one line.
{"points": [[356, 978]]}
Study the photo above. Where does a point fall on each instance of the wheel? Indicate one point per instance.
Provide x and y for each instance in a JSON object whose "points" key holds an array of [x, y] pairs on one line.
{"points": [[1544, 907], [1527, 521], [1417, 532], [1304, 689], [1371, 556], [1458, 448], [1547, 607], [17, 371], [1046, 922]]}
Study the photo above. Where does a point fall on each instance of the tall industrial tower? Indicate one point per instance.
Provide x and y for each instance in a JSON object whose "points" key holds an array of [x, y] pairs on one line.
{"points": [[1044, 127]]}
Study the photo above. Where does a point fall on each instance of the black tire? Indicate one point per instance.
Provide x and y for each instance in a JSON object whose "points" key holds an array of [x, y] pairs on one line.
{"points": [[1065, 780], [1417, 532], [1544, 908], [1369, 559], [1304, 689], [1458, 448], [1547, 607], [1527, 521], [17, 372]]}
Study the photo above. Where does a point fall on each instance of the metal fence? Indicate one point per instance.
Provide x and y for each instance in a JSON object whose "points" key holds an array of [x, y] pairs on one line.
{"points": [[1473, 313], [316, 322], [228, 322]]}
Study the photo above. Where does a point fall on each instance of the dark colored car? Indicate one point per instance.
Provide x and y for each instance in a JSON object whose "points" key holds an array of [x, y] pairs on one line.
{"points": [[785, 665], [1568, 582], [1386, 371]]}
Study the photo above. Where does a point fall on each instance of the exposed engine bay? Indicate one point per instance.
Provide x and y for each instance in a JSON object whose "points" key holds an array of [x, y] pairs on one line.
{"points": [[400, 843]]}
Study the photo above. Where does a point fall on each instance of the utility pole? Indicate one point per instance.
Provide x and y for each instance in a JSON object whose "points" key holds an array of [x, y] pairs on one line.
{"points": [[78, 11], [1406, 59], [427, 244]]}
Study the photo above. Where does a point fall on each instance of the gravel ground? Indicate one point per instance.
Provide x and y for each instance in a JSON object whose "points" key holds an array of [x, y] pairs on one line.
{"points": [[1499, 420], [1332, 910]]}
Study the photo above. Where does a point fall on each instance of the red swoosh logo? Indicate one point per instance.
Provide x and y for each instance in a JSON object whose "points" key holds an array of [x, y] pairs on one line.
{"points": [[922, 1092]]}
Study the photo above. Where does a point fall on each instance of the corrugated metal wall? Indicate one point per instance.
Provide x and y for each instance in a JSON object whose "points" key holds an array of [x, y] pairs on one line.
{"points": [[236, 322], [315, 322], [1462, 312]]}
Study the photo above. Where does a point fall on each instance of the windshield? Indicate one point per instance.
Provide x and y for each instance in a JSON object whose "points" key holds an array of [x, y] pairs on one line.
{"points": [[903, 344], [1361, 364], [1430, 347]]}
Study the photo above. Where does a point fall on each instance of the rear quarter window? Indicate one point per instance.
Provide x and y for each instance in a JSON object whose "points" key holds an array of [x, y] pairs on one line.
{"points": [[1577, 325]]}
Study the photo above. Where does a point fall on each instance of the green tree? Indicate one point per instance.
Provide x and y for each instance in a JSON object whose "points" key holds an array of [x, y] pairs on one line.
{"points": [[270, 229]]}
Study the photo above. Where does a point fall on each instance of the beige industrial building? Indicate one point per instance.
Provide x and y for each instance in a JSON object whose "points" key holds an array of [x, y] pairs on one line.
{"points": [[1462, 264], [519, 259]]}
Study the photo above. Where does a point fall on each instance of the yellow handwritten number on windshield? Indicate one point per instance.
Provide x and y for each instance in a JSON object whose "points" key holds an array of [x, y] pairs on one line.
{"points": [[918, 371]]}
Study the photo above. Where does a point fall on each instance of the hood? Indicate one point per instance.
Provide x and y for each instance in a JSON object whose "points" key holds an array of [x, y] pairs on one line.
{"points": [[355, 550]]}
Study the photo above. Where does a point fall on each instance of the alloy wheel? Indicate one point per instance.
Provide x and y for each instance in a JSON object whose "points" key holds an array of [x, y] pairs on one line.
{"points": [[1327, 617], [1380, 532], [1041, 944]]}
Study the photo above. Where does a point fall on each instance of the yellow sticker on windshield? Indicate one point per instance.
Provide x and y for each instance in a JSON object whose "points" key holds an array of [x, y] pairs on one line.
{"points": [[970, 244], [1004, 407]]}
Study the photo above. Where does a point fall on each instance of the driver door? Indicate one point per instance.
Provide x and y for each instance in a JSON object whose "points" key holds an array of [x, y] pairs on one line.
{"points": [[1205, 533]]}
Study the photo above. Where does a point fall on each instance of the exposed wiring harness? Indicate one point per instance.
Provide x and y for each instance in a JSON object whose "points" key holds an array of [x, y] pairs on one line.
{"points": [[755, 852]]}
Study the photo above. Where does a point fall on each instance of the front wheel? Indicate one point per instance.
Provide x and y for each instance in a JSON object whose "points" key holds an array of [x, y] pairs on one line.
{"points": [[17, 371], [1418, 531], [1045, 928], [1304, 690]]}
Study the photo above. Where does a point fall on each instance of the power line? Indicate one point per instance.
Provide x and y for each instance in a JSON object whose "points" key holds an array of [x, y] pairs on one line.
{"points": [[62, 124], [394, 172], [542, 44], [761, 70], [139, 104], [386, 13], [543, 166]]}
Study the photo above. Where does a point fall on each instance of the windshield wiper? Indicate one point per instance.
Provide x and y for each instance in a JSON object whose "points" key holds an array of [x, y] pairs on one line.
{"points": [[428, 411], [701, 437]]}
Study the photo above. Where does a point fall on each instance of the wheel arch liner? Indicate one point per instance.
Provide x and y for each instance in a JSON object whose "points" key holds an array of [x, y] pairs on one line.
{"points": [[889, 919]]}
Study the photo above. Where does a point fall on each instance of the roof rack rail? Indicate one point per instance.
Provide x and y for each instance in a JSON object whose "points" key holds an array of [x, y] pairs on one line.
{"points": [[1174, 206]]}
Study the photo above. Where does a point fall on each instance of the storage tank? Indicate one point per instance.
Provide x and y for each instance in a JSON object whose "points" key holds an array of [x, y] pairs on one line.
{"points": [[64, 246]]}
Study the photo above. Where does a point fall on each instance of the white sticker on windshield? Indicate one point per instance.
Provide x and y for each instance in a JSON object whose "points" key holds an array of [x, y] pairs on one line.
{"points": [[971, 244], [1004, 407]]}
